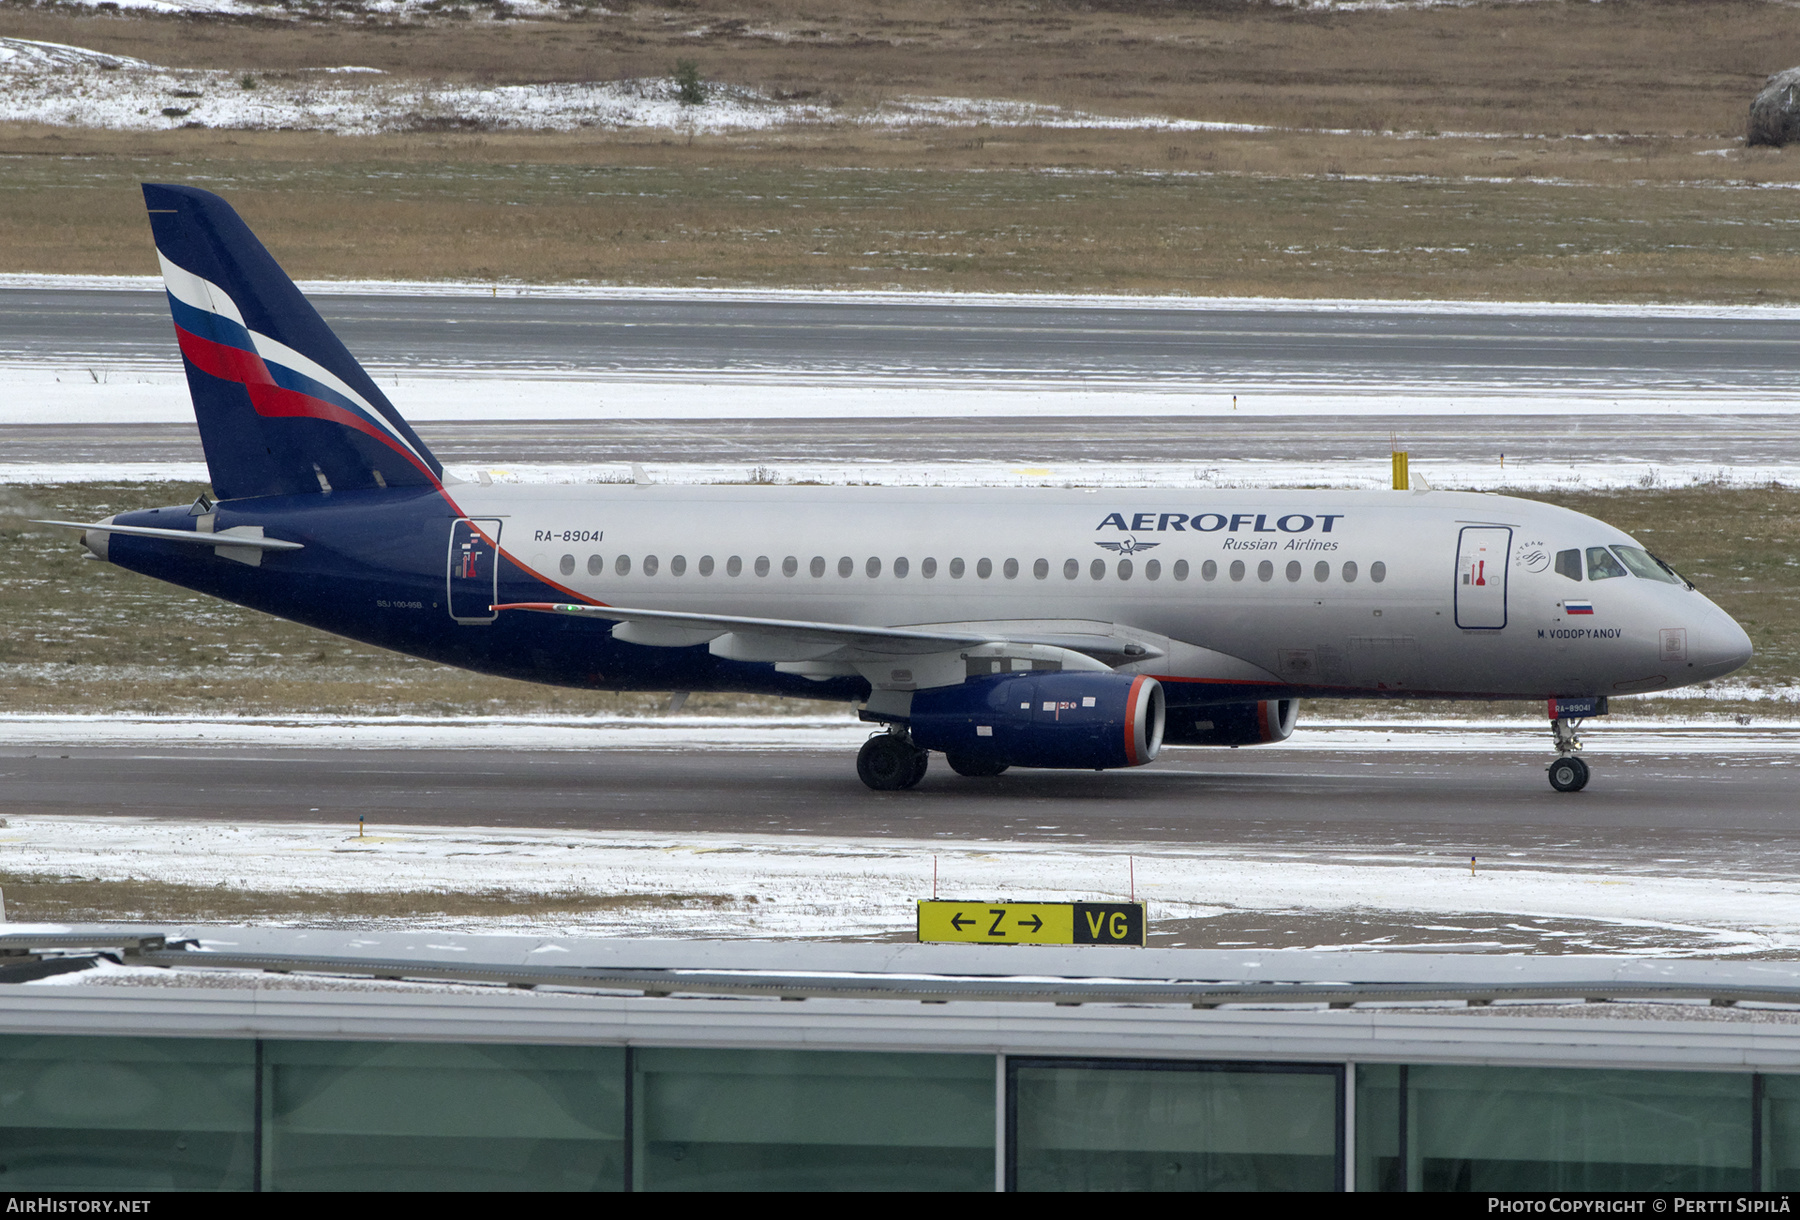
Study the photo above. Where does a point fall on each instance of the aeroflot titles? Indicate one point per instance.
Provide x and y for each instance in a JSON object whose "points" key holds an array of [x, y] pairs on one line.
{"points": [[1212, 523]]}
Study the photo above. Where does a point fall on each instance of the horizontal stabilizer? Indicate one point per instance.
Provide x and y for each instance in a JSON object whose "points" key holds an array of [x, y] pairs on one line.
{"points": [[223, 539]]}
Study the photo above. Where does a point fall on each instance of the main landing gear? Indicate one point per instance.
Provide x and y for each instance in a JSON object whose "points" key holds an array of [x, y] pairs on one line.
{"points": [[1568, 773], [890, 762]]}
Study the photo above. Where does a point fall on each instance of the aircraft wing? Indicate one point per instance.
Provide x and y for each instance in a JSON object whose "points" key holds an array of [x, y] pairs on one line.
{"points": [[792, 640]]}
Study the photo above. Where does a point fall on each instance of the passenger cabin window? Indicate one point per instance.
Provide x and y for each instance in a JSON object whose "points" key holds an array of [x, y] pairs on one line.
{"points": [[1602, 565], [1237, 569], [1124, 569], [901, 567], [956, 569], [650, 565], [1293, 570], [873, 567], [790, 565], [1152, 569], [1378, 571], [567, 566], [1208, 570], [1321, 571], [1097, 569], [1643, 563], [928, 567], [734, 566], [596, 565], [817, 566], [762, 565], [1350, 572], [984, 568], [706, 565], [1181, 569], [1041, 569], [1568, 563], [1011, 569], [678, 565], [1071, 569], [1265, 571], [846, 566], [622, 565]]}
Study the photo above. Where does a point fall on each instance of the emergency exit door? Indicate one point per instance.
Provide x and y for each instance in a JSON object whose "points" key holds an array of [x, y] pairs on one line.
{"points": [[474, 568], [1481, 555]]}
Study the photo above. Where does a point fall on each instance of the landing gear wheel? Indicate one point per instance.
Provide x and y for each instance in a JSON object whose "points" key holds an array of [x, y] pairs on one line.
{"points": [[889, 763], [1568, 775], [973, 765]]}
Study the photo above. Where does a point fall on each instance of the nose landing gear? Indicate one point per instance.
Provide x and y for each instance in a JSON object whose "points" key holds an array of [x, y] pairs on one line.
{"points": [[1568, 773]]}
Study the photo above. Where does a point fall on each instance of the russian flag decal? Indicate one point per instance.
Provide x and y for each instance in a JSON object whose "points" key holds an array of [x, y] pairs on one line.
{"points": [[1578, 607]]}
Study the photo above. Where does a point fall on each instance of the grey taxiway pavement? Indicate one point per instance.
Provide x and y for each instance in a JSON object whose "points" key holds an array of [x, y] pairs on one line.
{"points": [[1221, 351], [1728, 803]]}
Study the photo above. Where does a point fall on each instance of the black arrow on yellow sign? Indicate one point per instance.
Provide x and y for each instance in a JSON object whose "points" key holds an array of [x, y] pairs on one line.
{"points": [[958, 921], [1034, 923]]}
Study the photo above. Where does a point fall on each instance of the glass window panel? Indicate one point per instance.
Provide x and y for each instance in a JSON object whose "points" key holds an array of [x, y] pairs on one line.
{"points": [[1601, 564], [127, 1113], [1500, 1129], [812, 1120], [1568, 563], [1643, 563], [1173, 1126], [430, 1116], [1781, 1132], [1378, 1164]]}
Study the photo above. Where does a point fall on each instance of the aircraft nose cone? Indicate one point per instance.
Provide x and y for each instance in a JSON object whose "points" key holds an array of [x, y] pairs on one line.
{"points": [[1723, 647]]}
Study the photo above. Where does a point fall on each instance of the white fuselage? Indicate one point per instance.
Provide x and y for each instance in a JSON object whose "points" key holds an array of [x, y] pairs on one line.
{"points": [[1451, 594]]}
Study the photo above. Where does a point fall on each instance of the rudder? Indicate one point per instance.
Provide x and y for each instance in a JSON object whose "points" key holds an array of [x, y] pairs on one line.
{"points": [[283, 406]]}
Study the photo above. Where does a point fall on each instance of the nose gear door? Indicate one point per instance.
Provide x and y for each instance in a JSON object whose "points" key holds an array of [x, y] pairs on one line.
{"points": [[474, 568], [1481, 560]]}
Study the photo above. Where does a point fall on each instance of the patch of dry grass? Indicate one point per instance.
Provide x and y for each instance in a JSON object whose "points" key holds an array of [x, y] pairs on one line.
{"points": [[1664, 66], [48, 898], [1307, 210], [736, 222]]}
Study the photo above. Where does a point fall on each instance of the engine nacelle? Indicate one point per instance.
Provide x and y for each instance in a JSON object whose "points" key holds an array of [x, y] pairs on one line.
{"points": [[1232, 724], [1091, 721]]}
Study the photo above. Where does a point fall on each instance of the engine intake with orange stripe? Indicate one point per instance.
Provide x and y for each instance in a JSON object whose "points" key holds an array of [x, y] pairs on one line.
{"points": [[1090, 721]]}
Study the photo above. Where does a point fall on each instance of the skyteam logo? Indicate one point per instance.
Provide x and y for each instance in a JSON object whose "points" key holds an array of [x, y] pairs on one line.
{"points": [[1130, 546]]}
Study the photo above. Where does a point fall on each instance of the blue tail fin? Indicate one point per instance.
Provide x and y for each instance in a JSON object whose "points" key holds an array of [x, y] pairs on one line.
{"points": [[283, 407]]}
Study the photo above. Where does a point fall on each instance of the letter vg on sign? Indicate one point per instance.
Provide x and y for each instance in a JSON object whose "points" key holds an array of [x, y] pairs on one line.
{"points": [[1109, 923]]}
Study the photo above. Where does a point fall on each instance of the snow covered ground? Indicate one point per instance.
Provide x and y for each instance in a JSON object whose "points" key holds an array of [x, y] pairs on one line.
{"points": [[775, 886], [71, 86]]}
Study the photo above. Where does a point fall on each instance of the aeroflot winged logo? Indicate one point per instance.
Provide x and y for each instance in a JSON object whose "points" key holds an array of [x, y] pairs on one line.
{"points": [[1130, 546]]}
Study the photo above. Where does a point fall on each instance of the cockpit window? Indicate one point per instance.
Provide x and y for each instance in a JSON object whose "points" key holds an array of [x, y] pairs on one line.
{"points": [[1602, 565], [1643, 563], [1568, 563]]}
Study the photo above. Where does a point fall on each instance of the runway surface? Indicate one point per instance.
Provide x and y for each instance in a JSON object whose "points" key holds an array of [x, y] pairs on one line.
{"points": [[1661, 441], [728, 349], [1250, 346], [1728, 805]]}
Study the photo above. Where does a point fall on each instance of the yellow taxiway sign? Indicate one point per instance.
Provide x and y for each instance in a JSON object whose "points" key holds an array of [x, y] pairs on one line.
{"points": [[1032, 923]]}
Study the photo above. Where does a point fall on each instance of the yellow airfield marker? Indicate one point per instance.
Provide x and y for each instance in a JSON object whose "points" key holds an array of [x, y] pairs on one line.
{"points": [[1032, 923]]}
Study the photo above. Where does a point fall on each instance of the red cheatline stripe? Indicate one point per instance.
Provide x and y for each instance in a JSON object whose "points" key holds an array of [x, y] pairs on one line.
{"points": [[273, 401]]}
